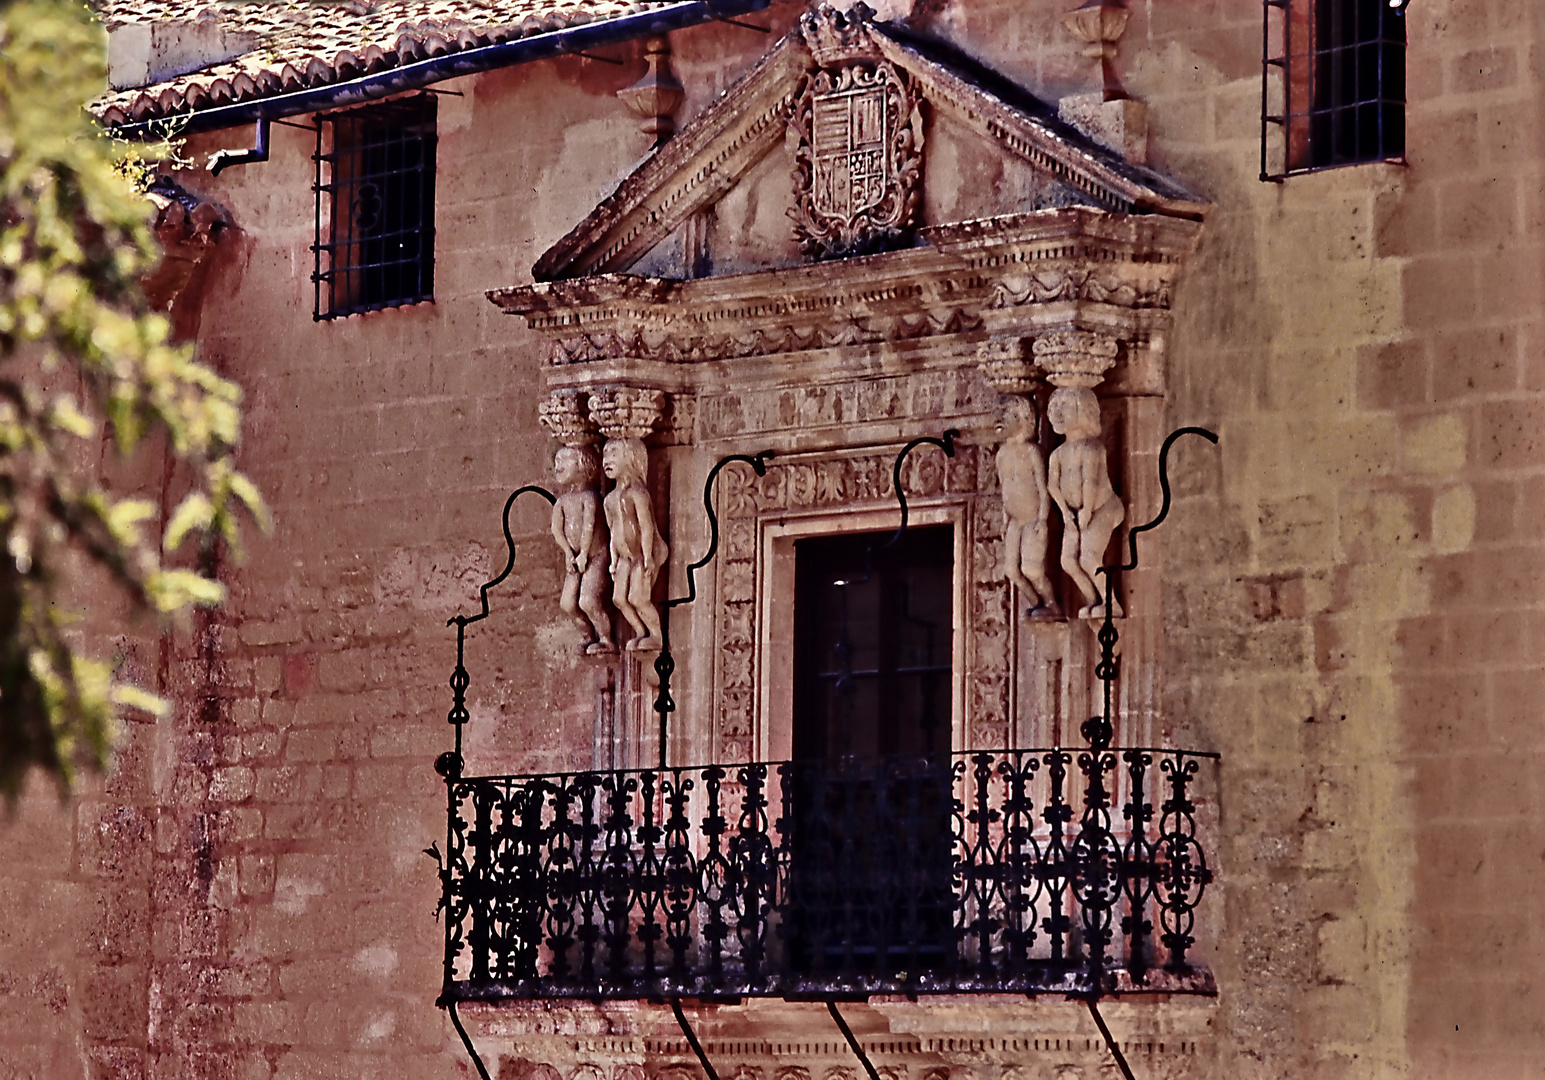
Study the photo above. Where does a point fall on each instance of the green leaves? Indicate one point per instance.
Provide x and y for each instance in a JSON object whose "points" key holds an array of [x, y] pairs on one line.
{"points": [[81, 355]]}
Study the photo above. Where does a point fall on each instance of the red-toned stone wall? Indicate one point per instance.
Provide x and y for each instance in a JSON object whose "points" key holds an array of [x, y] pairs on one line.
{"points": [[1352, 612]]}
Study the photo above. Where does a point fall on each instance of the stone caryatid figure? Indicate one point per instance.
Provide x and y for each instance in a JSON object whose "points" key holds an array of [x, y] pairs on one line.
{"points": [[1022, 478], [1078, 480], [638, 551], [579, 527]]}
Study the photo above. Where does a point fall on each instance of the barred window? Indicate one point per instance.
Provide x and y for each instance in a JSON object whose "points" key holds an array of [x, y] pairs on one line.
{"points": [[1333, 84], [375, 207]]}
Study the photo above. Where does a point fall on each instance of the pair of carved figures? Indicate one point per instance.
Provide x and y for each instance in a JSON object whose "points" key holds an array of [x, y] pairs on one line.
{"points": [[614, 539], [1076, 478]]}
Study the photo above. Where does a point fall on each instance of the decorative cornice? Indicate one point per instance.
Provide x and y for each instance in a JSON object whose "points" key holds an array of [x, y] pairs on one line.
{"points": [[1024, 276]]}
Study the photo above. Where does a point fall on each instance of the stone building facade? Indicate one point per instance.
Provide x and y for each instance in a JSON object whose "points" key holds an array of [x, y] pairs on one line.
{"points": [[649, 250]]}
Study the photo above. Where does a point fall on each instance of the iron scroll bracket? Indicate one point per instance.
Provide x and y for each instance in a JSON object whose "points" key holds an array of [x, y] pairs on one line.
{"points": [[686, 1029], [449, 764], [946, 443], [1099, 730], [482, 1070]]}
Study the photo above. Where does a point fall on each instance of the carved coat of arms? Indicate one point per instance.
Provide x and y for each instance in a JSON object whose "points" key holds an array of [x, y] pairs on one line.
{"points": [[858, 164]]}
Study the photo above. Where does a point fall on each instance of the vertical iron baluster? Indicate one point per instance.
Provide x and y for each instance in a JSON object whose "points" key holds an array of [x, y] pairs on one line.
{"points": [[1137, 865], [1054, 871], [751, 860], [522, 888], [454, 876], [1183, 875], [649, 882], [713, 878], [562, 877], [480, 884], [1019, 857], [617, 886], [681, 893], [589, 862], [975, 900], [1096, 864]]}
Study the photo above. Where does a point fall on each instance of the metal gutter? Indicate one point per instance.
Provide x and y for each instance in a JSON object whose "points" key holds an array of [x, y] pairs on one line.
{"points": [[421, 73]]}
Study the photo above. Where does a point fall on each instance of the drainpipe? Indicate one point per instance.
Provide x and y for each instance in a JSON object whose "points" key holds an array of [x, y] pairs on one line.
{"points": [[421, 73], [259, 152]]}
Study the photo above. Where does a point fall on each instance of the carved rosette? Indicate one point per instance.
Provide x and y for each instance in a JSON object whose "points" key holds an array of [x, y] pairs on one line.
{"points": [[626, 412], [1075, 357], [858, 166]]}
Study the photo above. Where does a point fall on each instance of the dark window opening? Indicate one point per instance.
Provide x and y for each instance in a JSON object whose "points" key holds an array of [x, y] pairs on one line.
{"points": [[873, 628], [1340, 96], [872, 848], [375, 207]]}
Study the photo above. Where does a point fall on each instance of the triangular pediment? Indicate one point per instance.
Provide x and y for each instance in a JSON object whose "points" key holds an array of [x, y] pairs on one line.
{"points": [[748, 184]]}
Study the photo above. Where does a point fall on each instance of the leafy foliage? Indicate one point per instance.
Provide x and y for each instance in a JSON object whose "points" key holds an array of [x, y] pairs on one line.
{"points": [[82, 356]]}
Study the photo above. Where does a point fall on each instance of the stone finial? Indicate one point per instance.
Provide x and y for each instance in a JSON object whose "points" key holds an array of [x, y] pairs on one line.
{"points": [[566, 418], [655, 97], [625, 412], [834, 37], [1075, 357], [1006, 366], [1099, 24]]}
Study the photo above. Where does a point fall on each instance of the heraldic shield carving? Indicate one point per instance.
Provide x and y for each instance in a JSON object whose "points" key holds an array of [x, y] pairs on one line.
{"points": [[859, 161]]}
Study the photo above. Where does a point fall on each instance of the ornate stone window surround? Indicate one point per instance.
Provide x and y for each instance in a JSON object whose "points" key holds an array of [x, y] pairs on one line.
{"points": [[776, 535]]}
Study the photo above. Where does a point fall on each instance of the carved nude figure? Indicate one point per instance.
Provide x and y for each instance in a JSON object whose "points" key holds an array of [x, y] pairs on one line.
{"points": [[638, 549], [1078, 479], [1022, 476], [578, 527]]}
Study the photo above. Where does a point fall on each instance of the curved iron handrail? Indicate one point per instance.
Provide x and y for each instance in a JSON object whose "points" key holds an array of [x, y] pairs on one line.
{"points": [[757, 462], [945, 443], [1170, 440], [665, 663], [1099, 730], [509, 543]]}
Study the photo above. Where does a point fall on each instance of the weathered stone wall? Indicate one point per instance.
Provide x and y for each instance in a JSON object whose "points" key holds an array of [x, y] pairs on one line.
{"points": [[1352, 604]]}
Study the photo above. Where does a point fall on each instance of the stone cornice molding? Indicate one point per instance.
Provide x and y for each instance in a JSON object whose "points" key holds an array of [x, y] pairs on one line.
{"points": [[733, 134], [688, 173], [1022, 276], [984, 103]]}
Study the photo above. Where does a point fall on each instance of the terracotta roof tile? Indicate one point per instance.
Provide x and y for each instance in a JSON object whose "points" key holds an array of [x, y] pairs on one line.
{"points": [[307, 45]]}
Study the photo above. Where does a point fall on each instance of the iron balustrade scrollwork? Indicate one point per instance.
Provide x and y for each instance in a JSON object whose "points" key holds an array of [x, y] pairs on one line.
{"points": [[1050, 870]]}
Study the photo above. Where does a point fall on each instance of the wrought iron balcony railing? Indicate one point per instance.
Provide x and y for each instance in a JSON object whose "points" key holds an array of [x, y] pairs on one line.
{"points": [[1061, 870]]}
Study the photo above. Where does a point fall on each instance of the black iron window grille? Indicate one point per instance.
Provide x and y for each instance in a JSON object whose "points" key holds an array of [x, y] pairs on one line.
{"points": [[1333, 84], [375, 207]]}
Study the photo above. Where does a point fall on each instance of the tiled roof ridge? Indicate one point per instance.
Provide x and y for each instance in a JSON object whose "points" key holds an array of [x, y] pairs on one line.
{"points": [[309, 46]]}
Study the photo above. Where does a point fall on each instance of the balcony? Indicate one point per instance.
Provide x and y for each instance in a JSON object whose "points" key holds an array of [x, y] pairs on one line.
{"points": [[1071, 871]]}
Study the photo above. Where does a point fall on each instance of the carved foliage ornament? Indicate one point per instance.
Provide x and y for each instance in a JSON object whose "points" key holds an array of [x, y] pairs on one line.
{"points": [[858, 165]]}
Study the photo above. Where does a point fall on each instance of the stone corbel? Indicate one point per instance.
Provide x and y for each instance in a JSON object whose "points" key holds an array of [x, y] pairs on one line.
{"points": [[1007, 366], [566, 416], [626, 412]]}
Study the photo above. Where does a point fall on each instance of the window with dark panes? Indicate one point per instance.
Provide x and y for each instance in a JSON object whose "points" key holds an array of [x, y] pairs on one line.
{"points": [[1334, 84], [375, 207], [871, 846]]}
